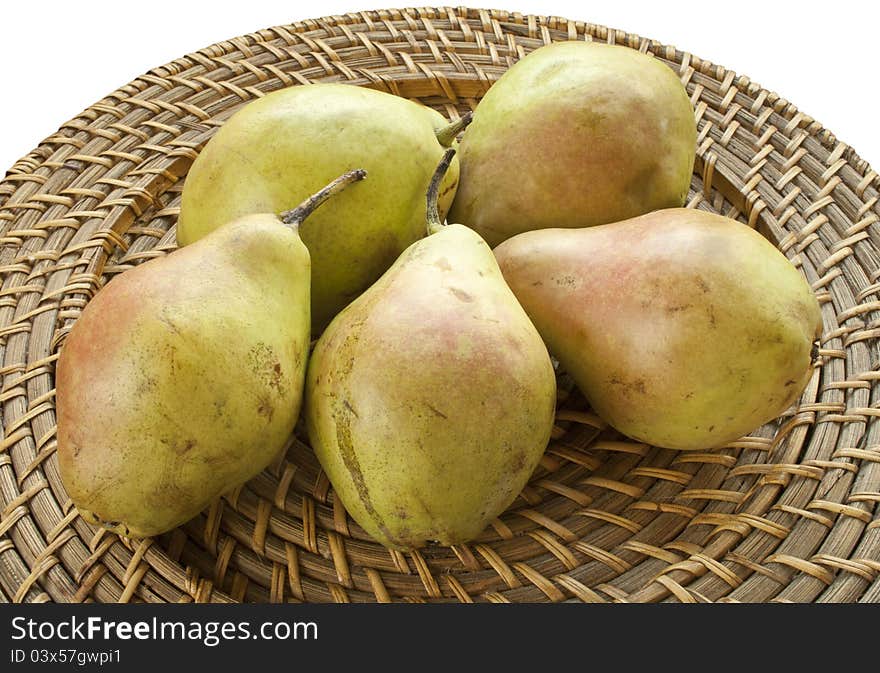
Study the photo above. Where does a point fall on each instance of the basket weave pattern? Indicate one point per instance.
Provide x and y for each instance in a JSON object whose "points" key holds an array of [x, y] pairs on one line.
{"points": [[785, 514]]}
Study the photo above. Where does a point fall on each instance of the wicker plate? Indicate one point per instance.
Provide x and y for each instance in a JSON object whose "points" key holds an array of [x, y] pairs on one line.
{"points": [[785, 514]]}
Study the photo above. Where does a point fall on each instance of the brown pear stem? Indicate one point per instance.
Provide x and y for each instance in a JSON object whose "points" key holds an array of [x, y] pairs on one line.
{"points": [[295, 216], [447, 134], [435, 224]]}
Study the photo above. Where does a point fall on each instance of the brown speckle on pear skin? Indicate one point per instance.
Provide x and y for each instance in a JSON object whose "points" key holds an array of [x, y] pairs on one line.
{"points": [[461, 295]]}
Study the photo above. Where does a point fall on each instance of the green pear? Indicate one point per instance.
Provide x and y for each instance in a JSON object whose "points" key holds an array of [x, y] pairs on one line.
{"points": [[575, 134], [280, 148], [430, 398], [183, 377], [683, 328]]}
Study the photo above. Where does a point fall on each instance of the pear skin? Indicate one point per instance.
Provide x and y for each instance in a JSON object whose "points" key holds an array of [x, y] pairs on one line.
{"points": [[430, 398], [684, 329], [280, 148], [183, 377], [575, 134]]}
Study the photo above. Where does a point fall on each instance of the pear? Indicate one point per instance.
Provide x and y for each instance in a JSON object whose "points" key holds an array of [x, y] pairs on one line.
{"points": [[282, 147], [183, 377], [430, 398], [683, 328], [573, 135]]}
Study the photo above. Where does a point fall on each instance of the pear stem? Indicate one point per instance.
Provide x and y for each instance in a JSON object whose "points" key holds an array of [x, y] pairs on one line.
{"points": [[435, 224], [294, 217], [447, 134]]}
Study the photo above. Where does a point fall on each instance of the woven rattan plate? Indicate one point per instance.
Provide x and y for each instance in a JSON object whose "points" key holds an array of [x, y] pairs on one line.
{"points": [[785, 514]]}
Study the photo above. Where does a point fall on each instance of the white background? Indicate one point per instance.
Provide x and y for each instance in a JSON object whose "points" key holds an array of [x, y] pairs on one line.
{"points": [[57, 58]]}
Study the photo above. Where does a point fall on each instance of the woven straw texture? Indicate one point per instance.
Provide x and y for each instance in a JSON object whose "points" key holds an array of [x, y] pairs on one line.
{"points": [[785, 514]]}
